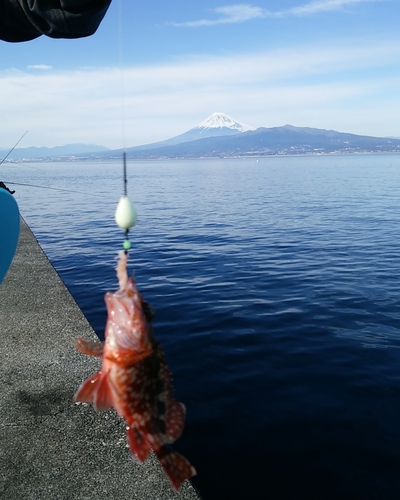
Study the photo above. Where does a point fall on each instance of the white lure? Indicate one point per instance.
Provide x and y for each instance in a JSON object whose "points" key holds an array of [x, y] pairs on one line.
{"points": [[125, 213]]}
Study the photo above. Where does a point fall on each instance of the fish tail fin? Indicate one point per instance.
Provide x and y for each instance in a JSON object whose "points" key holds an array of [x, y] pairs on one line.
{"points": [[139, 446], [96, 389], [177, 468]]}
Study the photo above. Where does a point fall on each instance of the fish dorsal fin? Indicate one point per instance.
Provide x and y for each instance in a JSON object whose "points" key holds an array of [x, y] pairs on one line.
{"points": [[103, 396], [85, 393], [175, 420], [97, 390]]}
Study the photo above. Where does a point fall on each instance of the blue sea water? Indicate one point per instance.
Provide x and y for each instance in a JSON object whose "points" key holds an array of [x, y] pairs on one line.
{"points": [[276, 286]]}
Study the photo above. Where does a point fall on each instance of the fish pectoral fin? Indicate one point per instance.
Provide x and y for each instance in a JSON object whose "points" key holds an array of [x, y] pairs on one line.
{"points": [[139, 446], [177, 468], [89, 348], [175, 420], [85, 393]]}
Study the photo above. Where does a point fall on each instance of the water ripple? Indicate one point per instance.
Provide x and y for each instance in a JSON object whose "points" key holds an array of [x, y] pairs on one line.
{"points": [[276, 287]]}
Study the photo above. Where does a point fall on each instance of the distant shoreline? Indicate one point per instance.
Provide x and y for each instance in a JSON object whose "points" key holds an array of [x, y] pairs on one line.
{"points": [[74, 159]]}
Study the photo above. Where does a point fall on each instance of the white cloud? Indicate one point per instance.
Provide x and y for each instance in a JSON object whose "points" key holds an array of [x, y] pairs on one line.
{"points": [[44, 67], [329, 87], [229, 14], [322, 6], [239, 13]]}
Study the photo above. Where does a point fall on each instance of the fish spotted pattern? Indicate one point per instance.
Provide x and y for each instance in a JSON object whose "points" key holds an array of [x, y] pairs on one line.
{"points": [[135, 380]]}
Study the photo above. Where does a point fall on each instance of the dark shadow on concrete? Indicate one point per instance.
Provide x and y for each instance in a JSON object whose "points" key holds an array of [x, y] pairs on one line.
{"points": [[50, 446]]}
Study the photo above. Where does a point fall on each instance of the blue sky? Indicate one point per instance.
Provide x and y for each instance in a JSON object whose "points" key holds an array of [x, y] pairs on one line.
{"points": [[155, 69]]}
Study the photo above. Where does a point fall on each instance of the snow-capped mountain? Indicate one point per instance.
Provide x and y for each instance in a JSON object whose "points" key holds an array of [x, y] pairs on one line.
{"points": [[286, 140], [221, 121], [216, 125]]}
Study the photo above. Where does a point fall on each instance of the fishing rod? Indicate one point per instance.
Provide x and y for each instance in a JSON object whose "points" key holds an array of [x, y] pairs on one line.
{"points": [[12, 149], [53, 188]]}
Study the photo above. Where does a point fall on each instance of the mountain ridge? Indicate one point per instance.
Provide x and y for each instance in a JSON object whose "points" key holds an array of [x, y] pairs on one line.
{"points": [[222, 136], [45, 152], [286, 139]]}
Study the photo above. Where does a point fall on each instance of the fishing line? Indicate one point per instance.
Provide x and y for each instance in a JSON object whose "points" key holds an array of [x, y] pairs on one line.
{"points": [[125, 176], [22, 164], [125, 213], [121, 74]]}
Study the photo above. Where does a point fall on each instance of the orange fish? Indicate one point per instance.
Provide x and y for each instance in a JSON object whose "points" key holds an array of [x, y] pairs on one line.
{"points": [[135, 379]]}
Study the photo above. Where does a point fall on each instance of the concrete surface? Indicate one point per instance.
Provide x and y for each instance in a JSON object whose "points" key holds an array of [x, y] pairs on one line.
{"points": [[51, 447]]}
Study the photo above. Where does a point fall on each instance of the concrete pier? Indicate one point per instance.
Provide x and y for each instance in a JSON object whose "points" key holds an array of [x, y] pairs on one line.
{"points": [[51, 447]]}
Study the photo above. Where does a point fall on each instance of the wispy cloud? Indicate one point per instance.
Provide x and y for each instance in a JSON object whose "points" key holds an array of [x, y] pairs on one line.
{"points": [[322, 6], [337, 87], [228, 15], [240, 13], [43, 67]]}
